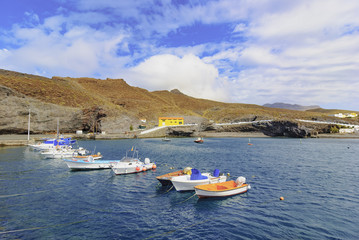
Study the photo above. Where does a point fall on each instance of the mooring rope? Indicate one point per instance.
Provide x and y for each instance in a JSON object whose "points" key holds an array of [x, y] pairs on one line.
{"points": [[187, 198]]}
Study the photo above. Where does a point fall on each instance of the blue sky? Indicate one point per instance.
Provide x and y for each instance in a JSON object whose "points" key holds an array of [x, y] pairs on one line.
{"points": [[244, 51]]}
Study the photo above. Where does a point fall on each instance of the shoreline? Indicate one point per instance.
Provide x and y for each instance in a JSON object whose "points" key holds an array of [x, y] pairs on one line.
{"points": [[21, 140]]}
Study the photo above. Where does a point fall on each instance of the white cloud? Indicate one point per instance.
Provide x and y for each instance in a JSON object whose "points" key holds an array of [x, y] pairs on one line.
{"points": [[304, 52], [189, 74], [60, 48], [307, 54]]}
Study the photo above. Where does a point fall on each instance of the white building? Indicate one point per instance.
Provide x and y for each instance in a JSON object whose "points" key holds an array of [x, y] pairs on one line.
{"points": [[346, 130]]}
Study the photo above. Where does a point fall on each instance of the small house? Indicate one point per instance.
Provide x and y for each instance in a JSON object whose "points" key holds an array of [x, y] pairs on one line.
{"points": [[170, 121]]}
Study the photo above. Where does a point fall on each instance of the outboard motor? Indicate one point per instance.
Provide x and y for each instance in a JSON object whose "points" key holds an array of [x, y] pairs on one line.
{"points": [[240, 181], [187, 171], [90, 159]]}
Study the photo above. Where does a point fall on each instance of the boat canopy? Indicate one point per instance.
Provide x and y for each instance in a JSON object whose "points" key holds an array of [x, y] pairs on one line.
{"points": [[196, 175], [63, 141]]}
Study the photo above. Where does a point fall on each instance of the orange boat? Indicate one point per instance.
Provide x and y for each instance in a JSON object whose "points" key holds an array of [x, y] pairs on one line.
{"points": [[222, 189]]}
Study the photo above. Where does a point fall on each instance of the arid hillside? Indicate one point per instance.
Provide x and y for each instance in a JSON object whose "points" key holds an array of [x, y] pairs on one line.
{"points": [[112, 103]]}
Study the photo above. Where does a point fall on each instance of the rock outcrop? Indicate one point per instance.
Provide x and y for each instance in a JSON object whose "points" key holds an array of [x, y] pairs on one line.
{"points": [[282, 128], [15, 108], [180, 132]]}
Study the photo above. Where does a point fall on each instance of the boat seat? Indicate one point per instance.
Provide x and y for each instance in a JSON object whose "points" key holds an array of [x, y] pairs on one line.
{"points": [[216, 173], [196, 175]]}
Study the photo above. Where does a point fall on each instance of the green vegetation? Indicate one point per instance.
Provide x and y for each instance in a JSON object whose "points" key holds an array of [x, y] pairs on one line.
{"points": [[334, 129]]}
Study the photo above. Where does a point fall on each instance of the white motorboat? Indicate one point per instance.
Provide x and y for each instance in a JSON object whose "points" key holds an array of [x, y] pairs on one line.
{"points": [[89, 163], [63, 152], [132, 164], [223, 189], [188, 182]]}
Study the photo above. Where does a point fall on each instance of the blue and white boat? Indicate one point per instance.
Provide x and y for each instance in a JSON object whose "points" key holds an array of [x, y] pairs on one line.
{"points": [[53, 143], [188, 182]]}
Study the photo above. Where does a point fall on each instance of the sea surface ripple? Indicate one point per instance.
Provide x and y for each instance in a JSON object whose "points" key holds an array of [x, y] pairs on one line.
{"points": [[318, 178]]}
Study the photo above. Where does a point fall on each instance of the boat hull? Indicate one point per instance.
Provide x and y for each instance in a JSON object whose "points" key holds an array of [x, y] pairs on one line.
{"points": [[165, 179], [121, 169], [205, 193], [87, 165], [63, 153], [183, 183]]}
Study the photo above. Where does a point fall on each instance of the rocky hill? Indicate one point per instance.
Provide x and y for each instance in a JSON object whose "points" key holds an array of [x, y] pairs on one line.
{"points": [[111, 105]]}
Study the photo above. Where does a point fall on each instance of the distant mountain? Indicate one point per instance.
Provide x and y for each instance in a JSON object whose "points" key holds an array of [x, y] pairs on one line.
{"points": [[290, 106]]}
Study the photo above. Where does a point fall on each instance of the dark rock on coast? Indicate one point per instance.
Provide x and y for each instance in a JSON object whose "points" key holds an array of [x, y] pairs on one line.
{"points": [[180, 133], [283, 128], [268, 128]]}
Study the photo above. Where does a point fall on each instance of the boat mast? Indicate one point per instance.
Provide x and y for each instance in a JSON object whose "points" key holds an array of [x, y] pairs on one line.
{"points": [[57, 130], [28, 128]]}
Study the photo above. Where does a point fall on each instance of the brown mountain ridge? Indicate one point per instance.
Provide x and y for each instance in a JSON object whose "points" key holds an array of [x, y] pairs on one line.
{"points": [[112, 105]]}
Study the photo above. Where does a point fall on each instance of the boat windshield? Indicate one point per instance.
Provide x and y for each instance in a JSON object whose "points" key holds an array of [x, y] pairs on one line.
{"points": [[129, 159]]}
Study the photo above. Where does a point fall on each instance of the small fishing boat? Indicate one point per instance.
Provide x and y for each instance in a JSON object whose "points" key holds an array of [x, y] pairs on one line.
{"points": [[89, 163], [166, 139], [223, 189], [199, 140], [165, 179], [132, 164], [85, 157], [67, 152], [188, 182]]}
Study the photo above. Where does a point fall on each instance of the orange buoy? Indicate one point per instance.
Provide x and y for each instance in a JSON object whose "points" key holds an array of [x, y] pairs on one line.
{"points": [[138, 169], [281, 198], [144, 169], [154, 166]]}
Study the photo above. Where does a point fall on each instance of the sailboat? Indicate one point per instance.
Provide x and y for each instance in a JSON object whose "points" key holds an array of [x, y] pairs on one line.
{"points": [[249, 141]]}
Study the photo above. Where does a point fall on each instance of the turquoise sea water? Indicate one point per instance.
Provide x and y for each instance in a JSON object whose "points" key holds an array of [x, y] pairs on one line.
{"points": [[318, 178]]}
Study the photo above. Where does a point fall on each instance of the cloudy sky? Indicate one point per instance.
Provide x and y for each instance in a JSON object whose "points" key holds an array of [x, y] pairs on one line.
{"points": [[245, 51]]}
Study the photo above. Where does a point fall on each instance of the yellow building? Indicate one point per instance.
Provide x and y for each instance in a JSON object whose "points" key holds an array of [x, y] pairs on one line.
{"points": [[170, 121]]}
